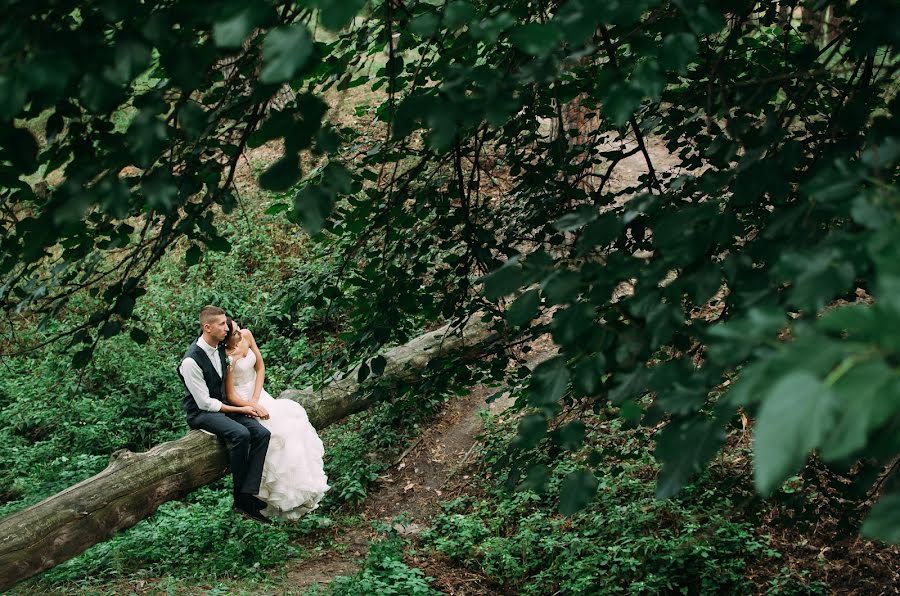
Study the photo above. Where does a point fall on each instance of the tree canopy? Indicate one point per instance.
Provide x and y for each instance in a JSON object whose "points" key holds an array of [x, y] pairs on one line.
{"points": [[756, 271]]}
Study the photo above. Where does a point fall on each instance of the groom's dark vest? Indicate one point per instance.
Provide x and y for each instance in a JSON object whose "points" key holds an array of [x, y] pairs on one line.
{"points": [[210, 376]]}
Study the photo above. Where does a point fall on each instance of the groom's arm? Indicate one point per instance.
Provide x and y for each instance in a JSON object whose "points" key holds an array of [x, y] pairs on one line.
{"points": [[193, 380]]}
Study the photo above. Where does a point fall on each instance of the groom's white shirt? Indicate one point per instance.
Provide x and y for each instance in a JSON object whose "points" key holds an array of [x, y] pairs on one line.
{"points": [[193, 378]]}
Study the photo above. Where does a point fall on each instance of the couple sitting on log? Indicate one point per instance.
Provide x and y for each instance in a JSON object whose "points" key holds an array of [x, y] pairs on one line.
{"points": [[275, 453]]}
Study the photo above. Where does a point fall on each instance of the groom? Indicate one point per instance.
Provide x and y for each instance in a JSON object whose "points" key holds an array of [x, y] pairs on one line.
{"points": [[202, 371]]}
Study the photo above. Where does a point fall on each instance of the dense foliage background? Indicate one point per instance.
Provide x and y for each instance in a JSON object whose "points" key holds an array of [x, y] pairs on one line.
{"points": [[696, 199]]}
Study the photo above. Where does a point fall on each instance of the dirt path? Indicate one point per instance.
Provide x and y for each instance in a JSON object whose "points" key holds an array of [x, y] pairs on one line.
{"points": [[433, 465], [413, 487]]}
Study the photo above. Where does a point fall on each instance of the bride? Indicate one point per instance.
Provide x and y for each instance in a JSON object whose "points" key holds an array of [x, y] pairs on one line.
{"points": [[293, 480]]}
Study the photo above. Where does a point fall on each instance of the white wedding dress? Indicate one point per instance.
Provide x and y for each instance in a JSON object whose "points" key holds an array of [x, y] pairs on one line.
{"points": [[293, 478]]}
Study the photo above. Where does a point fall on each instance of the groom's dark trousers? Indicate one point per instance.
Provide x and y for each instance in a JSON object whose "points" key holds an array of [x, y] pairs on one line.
{"points": [[247, 440]]}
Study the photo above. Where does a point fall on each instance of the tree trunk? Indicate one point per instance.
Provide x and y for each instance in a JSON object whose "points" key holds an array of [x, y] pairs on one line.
{"points": [[134, 485]]}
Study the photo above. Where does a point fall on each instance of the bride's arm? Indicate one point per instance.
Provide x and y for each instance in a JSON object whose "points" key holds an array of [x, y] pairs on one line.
{"points": [[260, 367], [234, 399]]}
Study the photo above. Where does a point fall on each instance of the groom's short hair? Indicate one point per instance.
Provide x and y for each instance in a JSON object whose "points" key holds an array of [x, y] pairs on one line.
{"points": [[209, 312]]}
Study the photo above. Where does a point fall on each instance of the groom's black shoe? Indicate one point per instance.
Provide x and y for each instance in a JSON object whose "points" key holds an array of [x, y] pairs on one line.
{"points": [[249, 502], [256, 503], [251, 513], [250, 506]]}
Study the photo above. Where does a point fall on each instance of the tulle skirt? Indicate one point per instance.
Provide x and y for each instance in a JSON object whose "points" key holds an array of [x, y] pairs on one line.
{"points": [[293, 479]]}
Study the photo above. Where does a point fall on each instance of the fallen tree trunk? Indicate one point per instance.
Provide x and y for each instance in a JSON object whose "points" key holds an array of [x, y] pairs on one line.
{"points": [[134, 485]]}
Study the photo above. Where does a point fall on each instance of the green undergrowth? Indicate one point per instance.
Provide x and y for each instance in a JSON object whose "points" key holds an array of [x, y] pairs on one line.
{"points": [[626, 541], [61, 425], [201, 539], [384, 573]]}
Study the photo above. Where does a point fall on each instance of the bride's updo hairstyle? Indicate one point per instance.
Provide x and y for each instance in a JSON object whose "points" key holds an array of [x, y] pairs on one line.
{"points": [[230, 322]]}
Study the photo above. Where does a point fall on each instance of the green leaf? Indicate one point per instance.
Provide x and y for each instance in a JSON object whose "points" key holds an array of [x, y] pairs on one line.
{"points": [[857, 321], [588, 373], [276, 208], [648, 78], [549, 382], [868, 398], [678, 50], [571, 436], [796, 416], [82, 358], [233, 30], [337, 179], [537, 39], [13, 94], [532, 429], [159, 189], [700, 17], [576, 21], [631, 410], [192, 255], [571, 324], [601, 232], [192, 119], [337, 15], [629, 386], [537, 478], [281, 175], [883, 521], [20, 147], [114, 196], [832, 185], [577, 491], [684, 447], [131, 57], [378, 363], [147, 137], [110, 329], [363, 373], [99, 95], [458, 13], [313, 205], [285, 51], [139, 336], [572, 221], [218, 244], [704, 284], [562, 286], [424, 25], [488, 30], [866, 213], [125, 305], [817, 277], [504, 280], [621, 103], [524, 308], [55, 125]]}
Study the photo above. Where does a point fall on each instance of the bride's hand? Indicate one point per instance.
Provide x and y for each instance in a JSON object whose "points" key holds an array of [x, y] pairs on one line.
{"points": [[248, 411], [261, 412]]}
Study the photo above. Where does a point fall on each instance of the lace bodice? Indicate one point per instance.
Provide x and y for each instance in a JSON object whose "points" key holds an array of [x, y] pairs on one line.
{"points": [[244, 372]]}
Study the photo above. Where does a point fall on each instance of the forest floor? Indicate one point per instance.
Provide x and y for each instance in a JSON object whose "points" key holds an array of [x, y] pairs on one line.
{"points": [[432, 469]]}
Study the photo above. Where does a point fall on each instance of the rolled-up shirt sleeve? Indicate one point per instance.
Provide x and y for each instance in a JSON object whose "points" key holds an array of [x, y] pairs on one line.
{"points": [[193, 379]]}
